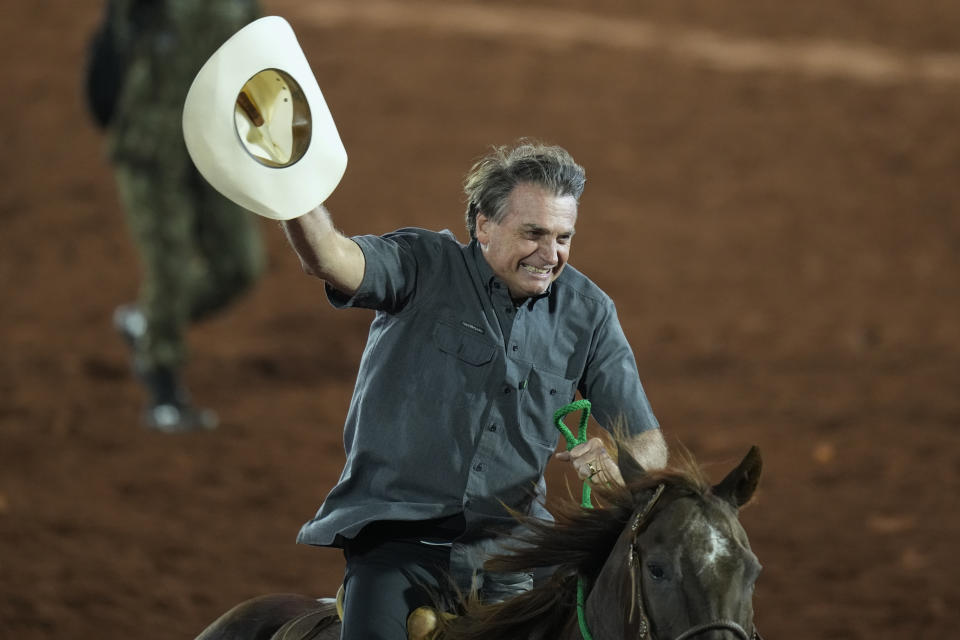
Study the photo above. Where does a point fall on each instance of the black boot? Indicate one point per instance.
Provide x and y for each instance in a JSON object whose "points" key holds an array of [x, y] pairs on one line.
{"points": [[170, 409]]}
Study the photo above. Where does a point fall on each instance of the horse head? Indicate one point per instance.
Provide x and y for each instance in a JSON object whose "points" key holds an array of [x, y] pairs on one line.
{"points": [[683, 568]]}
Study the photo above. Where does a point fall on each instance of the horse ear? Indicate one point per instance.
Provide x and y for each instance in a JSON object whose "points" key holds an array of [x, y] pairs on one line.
{"points": [[631, 470], [738, 487]]}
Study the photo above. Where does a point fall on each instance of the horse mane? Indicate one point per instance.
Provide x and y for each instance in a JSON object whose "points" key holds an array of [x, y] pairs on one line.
{"points": [[578, 543]]}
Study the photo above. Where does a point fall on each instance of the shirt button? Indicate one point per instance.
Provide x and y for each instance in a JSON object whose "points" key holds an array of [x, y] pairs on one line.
{"points": [[515, 347], [508, 309], [480, 466], [492, 427], [506, 389]]}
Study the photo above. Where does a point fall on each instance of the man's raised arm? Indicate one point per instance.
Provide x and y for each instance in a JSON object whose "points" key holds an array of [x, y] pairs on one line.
{"points": [[324, 251]]}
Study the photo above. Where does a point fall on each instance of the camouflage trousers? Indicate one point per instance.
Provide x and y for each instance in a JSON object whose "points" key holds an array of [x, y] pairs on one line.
{"points": [[198, 252]]}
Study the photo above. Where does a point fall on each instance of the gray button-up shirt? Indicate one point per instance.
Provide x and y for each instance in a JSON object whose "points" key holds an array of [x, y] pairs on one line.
{"points": [[453, 405]]}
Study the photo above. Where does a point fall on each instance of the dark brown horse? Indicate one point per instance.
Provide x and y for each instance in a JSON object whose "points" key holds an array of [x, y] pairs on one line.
{"points": [[664, 557]]}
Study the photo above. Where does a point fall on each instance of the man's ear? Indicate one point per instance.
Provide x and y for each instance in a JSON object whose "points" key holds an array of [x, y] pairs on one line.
{"points": [[483, 235]]}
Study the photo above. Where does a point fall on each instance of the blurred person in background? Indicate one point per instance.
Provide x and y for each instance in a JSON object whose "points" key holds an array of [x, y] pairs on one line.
{"points": [[198, 251]]}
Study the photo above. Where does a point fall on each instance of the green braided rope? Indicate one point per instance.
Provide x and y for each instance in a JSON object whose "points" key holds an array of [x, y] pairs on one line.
{"points": [[581, 437]]}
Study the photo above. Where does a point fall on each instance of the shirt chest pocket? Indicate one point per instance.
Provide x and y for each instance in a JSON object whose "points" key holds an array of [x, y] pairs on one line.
{"points": [[471, 348], [543, 394]]}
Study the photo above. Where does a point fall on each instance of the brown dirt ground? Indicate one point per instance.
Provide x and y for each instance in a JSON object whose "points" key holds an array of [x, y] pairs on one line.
{"points": [[783, 248]]}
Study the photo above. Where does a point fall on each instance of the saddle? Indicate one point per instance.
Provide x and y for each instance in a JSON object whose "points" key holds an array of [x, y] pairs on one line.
{"points": [[421, 623], [309, 625]]}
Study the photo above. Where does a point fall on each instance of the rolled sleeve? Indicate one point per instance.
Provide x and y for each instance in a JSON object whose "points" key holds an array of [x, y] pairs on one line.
{"points": [[390, 273]]}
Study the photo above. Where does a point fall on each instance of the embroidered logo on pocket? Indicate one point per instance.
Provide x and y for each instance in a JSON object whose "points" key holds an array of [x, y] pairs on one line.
{"points": [[472, 327]]}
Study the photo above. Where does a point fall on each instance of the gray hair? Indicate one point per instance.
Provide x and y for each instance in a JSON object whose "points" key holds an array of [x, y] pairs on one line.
{"points": [[491, 180]]}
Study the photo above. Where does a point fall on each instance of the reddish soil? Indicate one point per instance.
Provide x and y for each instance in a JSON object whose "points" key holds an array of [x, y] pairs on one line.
{"points": [[781, 232]]}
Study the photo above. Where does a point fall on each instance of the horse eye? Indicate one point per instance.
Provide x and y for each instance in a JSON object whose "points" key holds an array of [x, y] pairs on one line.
{"points": [[656, 571]]}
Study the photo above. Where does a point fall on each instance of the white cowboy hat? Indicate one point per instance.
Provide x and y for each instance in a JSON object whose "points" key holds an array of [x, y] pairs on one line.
{"points": [[257, 126]]}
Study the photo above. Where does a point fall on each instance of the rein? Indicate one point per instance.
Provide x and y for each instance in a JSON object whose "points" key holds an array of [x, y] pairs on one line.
{"points": [[585, 502]]}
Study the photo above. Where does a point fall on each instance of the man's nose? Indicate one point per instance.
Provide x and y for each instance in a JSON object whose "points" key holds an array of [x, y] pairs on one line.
{"points": [[549, 248]]}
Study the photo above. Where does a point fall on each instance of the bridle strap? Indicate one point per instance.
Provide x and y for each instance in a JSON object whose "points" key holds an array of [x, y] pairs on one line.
{"points": [[728, 625], [641, 517], [636, 599]]}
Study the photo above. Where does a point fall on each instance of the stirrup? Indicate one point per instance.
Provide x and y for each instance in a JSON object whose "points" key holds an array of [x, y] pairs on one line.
{"points": [[422, 623], [340, 603]]}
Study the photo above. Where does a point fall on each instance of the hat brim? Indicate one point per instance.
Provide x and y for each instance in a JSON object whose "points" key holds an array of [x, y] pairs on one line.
{"points": [[209, 129]]}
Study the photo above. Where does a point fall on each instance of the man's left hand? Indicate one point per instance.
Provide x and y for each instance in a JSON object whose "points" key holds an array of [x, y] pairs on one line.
{"points": [[593, 463]]}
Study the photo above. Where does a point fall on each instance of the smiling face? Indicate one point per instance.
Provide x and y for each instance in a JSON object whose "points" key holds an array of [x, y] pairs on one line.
{"points": [[529, 246]]}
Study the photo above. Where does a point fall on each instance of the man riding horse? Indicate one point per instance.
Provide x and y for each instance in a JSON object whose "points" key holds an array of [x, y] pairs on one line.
{"points": [[472, 349]]}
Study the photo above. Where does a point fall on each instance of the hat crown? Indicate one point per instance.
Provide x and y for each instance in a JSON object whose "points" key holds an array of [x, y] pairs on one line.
{"points": [[272, 117]]}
